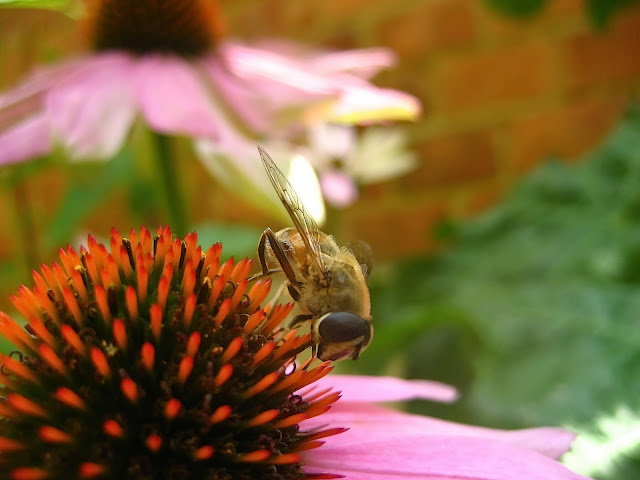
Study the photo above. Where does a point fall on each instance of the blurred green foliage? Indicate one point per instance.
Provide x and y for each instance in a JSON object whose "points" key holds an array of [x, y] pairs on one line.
{"points": [[534, 313], [598, 11]]}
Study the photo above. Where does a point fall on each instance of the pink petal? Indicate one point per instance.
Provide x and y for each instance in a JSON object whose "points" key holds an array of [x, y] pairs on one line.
{"points": [[338, 189], [92, 110], [357, 388], [240, 95], [551, 442], [364, 63], [173, 97], [359, 455], [29, 139]]}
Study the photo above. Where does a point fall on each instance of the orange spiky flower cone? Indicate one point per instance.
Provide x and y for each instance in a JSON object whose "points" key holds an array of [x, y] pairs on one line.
{"points": [[154, 360]]}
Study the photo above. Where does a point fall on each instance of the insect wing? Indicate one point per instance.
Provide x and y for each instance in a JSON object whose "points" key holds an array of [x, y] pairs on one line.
{"points": [[304, 223]]}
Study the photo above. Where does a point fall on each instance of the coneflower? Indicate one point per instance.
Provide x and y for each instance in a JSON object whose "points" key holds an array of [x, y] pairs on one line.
{"points": [[153, 360]]}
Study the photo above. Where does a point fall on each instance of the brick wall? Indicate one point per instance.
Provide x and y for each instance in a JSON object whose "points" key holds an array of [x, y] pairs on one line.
{"points": [[499, 96]]}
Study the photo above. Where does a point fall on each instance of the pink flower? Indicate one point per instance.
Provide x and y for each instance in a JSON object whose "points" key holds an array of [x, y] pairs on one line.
{"points": [[385, 444], [220, 90]]}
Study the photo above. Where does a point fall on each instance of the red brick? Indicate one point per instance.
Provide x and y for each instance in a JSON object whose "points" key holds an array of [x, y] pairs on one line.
{"points": [[453, 159], [396, 231], [565, 132], [487, 78], [429, 26], [599, 58]]}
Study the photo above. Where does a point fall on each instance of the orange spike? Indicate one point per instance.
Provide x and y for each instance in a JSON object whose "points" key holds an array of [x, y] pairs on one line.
{"points": [[172, 409], [91, 470], [188, 279], [113, 429], [241, 270], [70, 398], [226, 269], [49, 277], [238, 293], [263, 353], [232, 349], [223, 311], [66, 261], [105, 278], [258, 293], [24, 303], [15, 334], [193, 343], [289, 380], [314, 375], [49, 355], [78, 285], [133, 238], [116, 239], [155, 313], [177, 253], [220, 415], [6, 410], [103, 303], [29, 473], [212, 258], [9, 445], [47, 304], [18, 368], [285, 459], [289, 340], [72, 305], [254, 320], [60, 275], [289, 421], [311, 398], [255, 456], [203, 453], [147, 353], [143, 283], [264, 417], [189, 308], [25, 406], [42, 332], [131, 301], [92, 268], [119, 333], [49, 434], [306, 445], [40, 282], [154, 442], [145, 239], [72, 338], [129, 389], [262, 385], [92, 243], [278, 314], [223, 375], [184, 369], [123, 259], [216, 288], [100, 362], [163, 291]]}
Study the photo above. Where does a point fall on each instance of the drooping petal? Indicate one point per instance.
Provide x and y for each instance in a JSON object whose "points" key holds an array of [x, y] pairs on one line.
{"points": [[338, 188], [28, 139], [364, 63], [360, 456], [92, 110], [357, 388], [380, 421], [367, 105], [173, 98]]}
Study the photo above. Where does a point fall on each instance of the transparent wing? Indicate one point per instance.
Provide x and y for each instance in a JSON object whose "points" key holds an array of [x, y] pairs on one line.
{"points": [[364, 254], [304, 223]]}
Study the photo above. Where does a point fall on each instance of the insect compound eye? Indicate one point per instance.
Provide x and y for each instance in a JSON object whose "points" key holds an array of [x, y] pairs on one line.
{"points": [[338, 327]]}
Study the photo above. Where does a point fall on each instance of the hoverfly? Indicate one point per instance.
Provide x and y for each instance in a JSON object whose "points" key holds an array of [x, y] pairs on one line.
{"points": [[327, 281]]}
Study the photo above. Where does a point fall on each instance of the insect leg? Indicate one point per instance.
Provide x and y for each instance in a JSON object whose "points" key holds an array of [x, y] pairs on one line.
{"points": [[276, 248], [299, 320]]}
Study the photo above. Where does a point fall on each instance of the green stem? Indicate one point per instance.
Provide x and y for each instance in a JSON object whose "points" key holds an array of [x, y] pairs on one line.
{"points": [[178, 220], [24, 220]]}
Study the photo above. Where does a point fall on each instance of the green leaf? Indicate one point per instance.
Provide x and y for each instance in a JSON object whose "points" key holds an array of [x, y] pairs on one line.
{"points": [[50, 4], [600, 11]]}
